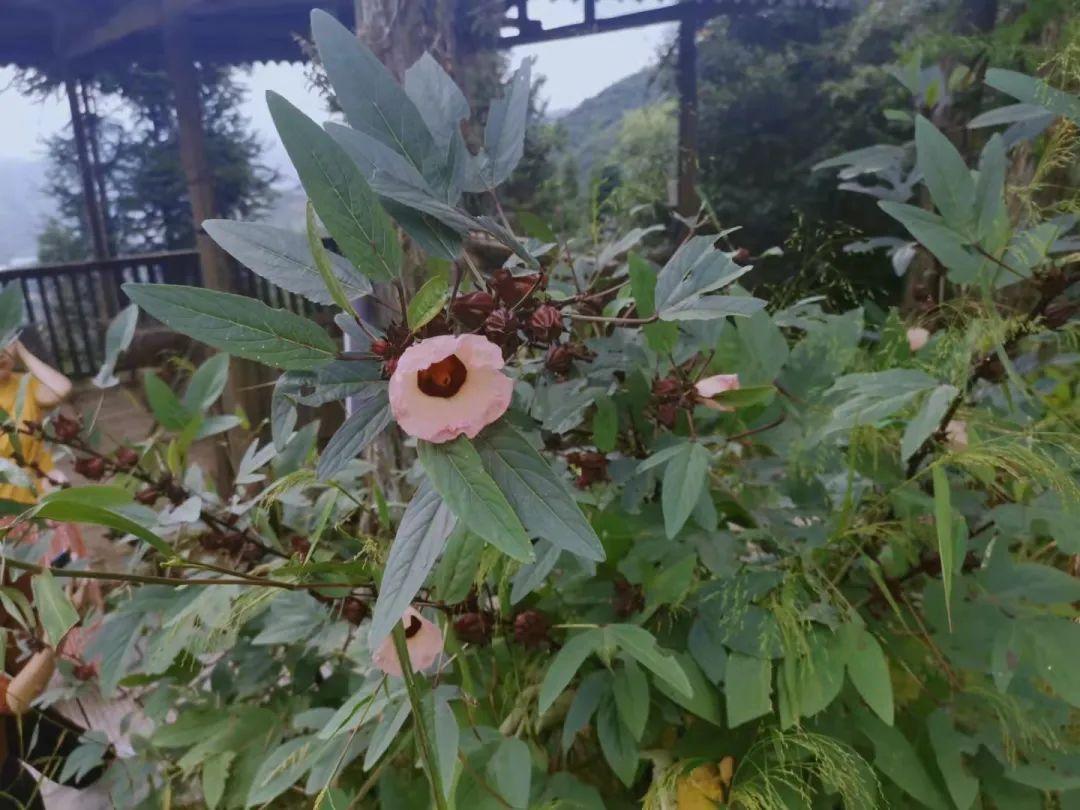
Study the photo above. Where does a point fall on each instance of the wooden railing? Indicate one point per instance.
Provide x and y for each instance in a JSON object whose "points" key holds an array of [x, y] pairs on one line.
{"points": [[70, 305]]}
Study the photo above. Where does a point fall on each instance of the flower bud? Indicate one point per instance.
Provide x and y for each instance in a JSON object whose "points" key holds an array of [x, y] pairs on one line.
{"points": [[473, 628], [472, 309], [126, 458], [592, 467], [66, 429], [147, 496], [531, 629], [546, 323], [512, 289], [559, 358], [92, 468], [354, 610]]}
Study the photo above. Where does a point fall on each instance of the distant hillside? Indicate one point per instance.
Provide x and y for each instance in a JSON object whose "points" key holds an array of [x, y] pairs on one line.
{"points": [[593, 126], [26, 210]]}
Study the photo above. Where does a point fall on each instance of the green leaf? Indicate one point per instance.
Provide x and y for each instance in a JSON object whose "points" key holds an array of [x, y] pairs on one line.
{"points": [[370, 416], [164, 404], [1034, 91], [118, 338], [566, 664], [949, 747], [630, 688], [661, 336], [946, 175], [12, 312], [73, 511], [586, 700], [616, 741], [605, 424], [1052, 644], [207, 383], [926, 421], [684, 477], [510, 772], [948, 246], [54, 608], [241, 326], [746, 397], [504, 133], [896, 758], [710, 307], [539, 496], [990, 212], [458, 475], [943, 523], [535, 227], [215, 773], [696, 268], [284, 258], [447, 737], [869, 670], [747, 688], [341, 195], [704, 701], [321, 257], [393, 718], [428, 301], [458, 566], [281, 768], [420, 537], [372, 100], [639, 644]]}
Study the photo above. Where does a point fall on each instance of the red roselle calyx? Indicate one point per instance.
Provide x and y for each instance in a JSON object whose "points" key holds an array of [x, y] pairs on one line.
{"points": [[126, 458], [472, 309], [546, 323], [353, 610], [592, 466], [66, 429], [92, 468], [147, 496], [559, 358], [501, 328], [531, 628], [511, 289], [381, 348], [473, 628]]}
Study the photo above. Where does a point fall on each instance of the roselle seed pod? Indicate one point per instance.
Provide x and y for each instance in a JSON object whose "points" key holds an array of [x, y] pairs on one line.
{"points": [[251, 552], [381, 348], [126, 458], [211, 541], [92, 468], [592, 466], [472, 309], [628, 599], [667, 388], [301, 545], [741, 256], [147, 496], [66, 428], [546, 323], [559, 358], [512, 289], [531, 629], [354, 610], [473, 628]]}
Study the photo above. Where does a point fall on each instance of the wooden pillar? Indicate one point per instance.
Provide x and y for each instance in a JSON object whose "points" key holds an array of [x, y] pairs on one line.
{"points": [[686, 81], [95, 224], [244, 377]]}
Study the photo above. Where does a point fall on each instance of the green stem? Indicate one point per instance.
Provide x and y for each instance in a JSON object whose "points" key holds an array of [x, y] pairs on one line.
{"points": [[422, 740]]}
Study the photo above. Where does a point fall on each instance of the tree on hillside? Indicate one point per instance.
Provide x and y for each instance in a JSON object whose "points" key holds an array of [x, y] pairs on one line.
{"points": [[139, 165]]}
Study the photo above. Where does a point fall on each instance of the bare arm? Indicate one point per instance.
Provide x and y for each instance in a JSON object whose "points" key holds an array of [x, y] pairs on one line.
{"points": [[53, 386]]}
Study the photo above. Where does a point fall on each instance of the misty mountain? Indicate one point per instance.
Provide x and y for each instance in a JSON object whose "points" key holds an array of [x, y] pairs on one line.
{"points": [[593, 126]]}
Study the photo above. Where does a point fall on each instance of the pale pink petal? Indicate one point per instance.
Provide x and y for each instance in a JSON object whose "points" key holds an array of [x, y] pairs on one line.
{"points": [[917, 337], [956, 434], [424, 646], [709, 387], [482, 399]]}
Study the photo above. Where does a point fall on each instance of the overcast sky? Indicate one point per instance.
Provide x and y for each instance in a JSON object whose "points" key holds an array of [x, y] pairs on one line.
{"points": [[576, 69]]}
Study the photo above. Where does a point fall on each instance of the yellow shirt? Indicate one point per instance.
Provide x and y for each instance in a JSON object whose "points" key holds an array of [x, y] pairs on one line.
{"points": [[32, 447]]}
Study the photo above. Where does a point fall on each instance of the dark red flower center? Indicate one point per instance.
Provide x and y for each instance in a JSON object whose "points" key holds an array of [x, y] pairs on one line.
{"points": [[414, 626], [442, 379]]}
